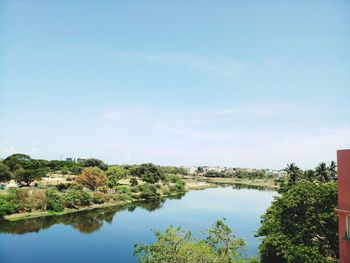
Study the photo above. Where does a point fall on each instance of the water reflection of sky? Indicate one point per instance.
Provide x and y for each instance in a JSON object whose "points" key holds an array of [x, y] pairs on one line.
{"points": [[109, 236]]}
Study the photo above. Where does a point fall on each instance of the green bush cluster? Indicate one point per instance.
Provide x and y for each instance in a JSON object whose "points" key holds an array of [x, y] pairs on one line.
{"points": [[148, 191], [54, 201], [77, 198], [8, 203]]}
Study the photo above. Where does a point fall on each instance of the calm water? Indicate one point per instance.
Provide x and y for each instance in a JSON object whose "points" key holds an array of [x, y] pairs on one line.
{"points": [[108, 235]]}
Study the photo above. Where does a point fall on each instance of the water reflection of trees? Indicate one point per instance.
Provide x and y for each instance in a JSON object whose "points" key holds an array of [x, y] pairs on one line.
{"points": [[85, 221]]}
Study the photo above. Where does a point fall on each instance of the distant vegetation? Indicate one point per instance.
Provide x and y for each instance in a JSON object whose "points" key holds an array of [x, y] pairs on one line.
{"points": [[300, 225], [87, 183]]}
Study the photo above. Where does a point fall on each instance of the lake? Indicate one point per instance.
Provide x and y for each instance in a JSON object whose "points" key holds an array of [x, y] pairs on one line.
{"points": [[108, 235]]}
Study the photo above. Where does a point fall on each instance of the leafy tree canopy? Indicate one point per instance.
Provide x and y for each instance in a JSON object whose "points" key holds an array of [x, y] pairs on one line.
{"points": [[92, 162], [301, 225], [114, 174], [92, 178], [149, 172], [176, 245], [5, 174], [18, 160], [27, 176]]}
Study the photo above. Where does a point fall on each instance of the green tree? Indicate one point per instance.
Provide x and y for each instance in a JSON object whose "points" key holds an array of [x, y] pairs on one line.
{"points": [[27, 176], [310, 175], [5, 174], [18, 160], [148, 191], [8, 203], [92, 162], [293, 172], [54, 201], [114, 174], [149, 172], [176, 245], [92, 178], [301, 225], [322, 172]]}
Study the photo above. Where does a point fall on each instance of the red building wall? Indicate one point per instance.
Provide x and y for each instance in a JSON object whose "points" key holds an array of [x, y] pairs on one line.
{"points": [[343, 163]]}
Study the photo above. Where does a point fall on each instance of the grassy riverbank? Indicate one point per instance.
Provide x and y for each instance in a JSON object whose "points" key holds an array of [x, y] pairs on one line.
{"points": [[36, 214], [192, 183]]}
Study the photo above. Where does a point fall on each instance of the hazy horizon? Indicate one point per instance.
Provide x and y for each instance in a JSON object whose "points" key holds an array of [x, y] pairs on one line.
{"points": [[230, 83]]}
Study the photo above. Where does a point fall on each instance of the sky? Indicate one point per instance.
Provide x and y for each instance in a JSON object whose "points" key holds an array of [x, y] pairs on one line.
{"points": [[231, 83]]}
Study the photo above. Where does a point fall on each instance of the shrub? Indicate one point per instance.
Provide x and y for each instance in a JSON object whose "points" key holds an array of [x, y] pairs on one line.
{"points": [[148, 191], [54, 201], [99, 198], [133, 181], [122, 189], [114, 174], [77, 198], [8, 203], [179, 186], [31, 198]]}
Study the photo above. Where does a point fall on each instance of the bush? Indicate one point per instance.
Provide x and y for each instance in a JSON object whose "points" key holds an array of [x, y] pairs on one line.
{"points": [[148, 191], [179, 186], [8, 203], [54, 201], [99, 198], [31, 198], [77, 198], [114, 174], [147, 172], [133, 181]]}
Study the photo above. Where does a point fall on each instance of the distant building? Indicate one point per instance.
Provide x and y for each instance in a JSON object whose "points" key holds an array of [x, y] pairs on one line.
{"points": [[69, 159]]}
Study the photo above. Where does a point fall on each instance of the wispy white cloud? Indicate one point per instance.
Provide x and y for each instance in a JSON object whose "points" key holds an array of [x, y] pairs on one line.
{"points": [[258, 136], [221, 66]]}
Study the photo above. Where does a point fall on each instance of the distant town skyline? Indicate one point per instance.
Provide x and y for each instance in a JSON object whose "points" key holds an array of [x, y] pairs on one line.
{"points": [[232, 83]]}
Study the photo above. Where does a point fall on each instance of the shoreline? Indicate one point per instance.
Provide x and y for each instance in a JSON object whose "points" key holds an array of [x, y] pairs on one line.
{"points": [[192, 183], [215, 181]]}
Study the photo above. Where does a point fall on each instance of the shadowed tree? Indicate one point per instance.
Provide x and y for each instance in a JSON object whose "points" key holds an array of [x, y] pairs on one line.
{"points": [[5, 174]]}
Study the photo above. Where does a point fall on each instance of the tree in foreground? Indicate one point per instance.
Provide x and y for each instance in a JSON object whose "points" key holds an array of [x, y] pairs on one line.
{"points": [[301, 225], [92, 178], [178, 246]]}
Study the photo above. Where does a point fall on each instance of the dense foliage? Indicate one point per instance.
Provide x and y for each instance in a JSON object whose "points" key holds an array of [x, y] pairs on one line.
{"points": [[92, 162], [301, 224], [5, 174], [149, 173], [176, 245], [82, 184], [92, 178]]}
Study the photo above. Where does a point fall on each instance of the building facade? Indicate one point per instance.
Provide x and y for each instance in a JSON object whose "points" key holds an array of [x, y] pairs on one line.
{"points": [[343, 211]]}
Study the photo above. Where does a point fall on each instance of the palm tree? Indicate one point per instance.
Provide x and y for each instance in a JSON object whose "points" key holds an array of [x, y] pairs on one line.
{"points": [[332, 168], [294, 173], [322, 172]]}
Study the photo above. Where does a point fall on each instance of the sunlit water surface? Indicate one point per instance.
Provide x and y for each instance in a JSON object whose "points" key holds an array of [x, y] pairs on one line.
{"points": [[108, 235]]}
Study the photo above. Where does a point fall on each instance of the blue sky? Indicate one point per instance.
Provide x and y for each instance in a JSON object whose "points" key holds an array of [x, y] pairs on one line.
{"points": [[235, 83]]}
